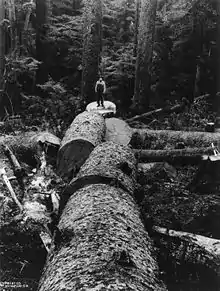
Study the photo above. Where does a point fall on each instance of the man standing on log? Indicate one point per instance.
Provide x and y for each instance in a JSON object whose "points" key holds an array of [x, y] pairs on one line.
{"points": [[100, 89]]}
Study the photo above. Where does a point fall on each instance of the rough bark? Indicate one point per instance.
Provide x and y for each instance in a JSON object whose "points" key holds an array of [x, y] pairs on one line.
{"points": [[181, 157], [144, 53], [118, 131], [159, 139], [2, 44], [101, 243], [191, 249], [86, 131], [107, 165], [177, 108]]}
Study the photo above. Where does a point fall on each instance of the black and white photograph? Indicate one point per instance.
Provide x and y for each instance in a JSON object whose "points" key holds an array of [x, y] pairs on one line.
{"points": [[109, 145]]}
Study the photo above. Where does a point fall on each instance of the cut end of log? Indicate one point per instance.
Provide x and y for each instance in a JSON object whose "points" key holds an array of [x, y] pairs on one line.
{"points": [[118, 131], [86, 131], [72, 156], [109, 108]]}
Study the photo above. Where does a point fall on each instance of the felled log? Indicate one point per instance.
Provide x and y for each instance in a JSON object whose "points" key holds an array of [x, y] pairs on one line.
{"points": [[191, 249], [181, 157], [166, 110], [27, 146], [101, 242], [86, 131], [118, 131], [159, 139]]}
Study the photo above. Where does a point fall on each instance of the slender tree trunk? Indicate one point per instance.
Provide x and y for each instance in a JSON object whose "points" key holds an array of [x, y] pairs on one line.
{"points": [[217, 125], [2, 42], [137, 16], [92, 47], [43, 10], [144, 53]]}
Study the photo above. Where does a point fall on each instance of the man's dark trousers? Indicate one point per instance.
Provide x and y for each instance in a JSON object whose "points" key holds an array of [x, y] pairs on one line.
{"points": [[100, 98]]}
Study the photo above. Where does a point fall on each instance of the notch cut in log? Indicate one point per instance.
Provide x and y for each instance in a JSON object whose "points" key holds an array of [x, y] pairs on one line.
{"points": [[86, 131], [109, 163], [100, 242], [159, 139], [182, 157]]}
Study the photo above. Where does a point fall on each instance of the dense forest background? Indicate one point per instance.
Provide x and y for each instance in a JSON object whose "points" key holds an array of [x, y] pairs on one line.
{"points": [[43, 48]]}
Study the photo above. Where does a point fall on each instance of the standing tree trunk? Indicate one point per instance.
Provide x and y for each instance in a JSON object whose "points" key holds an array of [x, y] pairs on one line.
{"points": [[144, 53], [137, 16], [43, 10], [100, 242], [217, 103], [2, 42], [92, 47], [2, 55]]}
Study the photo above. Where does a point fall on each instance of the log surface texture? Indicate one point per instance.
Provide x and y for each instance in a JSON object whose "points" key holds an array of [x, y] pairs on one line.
{"points": [[102, 243]]}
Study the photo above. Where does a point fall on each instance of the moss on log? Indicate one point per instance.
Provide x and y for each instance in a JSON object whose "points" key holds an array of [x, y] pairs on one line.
{"points": [[86, 131], [159, 139], [102, 245]]}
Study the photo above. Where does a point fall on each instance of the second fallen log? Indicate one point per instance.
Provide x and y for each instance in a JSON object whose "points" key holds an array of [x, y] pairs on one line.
{"points": [[181, 157], [159, 139]]}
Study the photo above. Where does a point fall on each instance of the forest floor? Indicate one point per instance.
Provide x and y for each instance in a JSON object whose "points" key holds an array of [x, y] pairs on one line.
{"points": [[166, 199]]}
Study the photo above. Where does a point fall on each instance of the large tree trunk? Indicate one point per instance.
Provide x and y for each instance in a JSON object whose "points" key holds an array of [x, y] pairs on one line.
{"points": [[101, 242], [145, 138], [92, 46], [217, 97], [144, 53], [86, 131], [2, 44]]}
